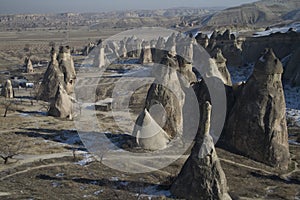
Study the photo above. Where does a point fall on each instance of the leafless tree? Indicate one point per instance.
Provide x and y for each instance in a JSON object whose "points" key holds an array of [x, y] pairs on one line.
{"points": [[8, 105], [8, 151]]}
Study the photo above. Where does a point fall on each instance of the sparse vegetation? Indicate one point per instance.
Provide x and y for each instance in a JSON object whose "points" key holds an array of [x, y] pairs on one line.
{"points": [[8, 105], [9, 148]]}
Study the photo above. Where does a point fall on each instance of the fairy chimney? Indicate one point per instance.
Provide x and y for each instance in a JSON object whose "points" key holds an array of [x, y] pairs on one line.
{"points": [[146, 55], [66, 65], [7, 90], [52, 77], [202, 176], [167, 96], [221, 64], [256, 126], [62, 106], [28, 65]]}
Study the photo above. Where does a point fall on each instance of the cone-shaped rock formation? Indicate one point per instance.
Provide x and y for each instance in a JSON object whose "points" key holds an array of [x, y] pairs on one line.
{"points": [[202, 176], [256, 126], [62, 106]]}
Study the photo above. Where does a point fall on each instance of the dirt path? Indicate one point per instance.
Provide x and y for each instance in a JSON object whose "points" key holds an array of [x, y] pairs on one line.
{"points": [[33, 168], [246, 166], [32, 158]]}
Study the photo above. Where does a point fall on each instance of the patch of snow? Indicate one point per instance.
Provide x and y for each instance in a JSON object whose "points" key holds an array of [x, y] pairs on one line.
{"points": [[88, 158], [240, 74], [55, 184], [126, 61], [68, 138], [261, 59], [295, 26], [24, 114], [60, 175], [292, 99], [294, 142], [2, 194], [98, 192], [114, 179], [105, 101], [153, 191]]}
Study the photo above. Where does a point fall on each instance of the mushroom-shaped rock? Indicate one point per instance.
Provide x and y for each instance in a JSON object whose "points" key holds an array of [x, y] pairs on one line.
{"points": [[62, 106], [149, 135], [7, 90], [202, 176], [256, 126]]}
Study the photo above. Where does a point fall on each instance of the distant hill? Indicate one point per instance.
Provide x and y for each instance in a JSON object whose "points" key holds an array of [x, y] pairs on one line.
{"points": [[264, 12], [118, 19]]}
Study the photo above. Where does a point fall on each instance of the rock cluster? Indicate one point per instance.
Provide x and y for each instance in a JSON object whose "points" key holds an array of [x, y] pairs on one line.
{"points": [[60, 70]]}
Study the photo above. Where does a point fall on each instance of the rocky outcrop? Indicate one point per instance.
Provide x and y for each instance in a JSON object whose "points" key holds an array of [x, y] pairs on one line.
{"points": [[255, 14], [292, 70], [149, 135], [184, 56], [170, 45], [52, 77], [122, 51], [60, 70], [134, 47], [99, 57], [158, 52], [88, 49], [221, 64], [167, 95], [202, 176], [256, 126], [146, 55], [283, 44], [66, 65], [28, 65], [7, 90], [62, 106], [202, 39]]}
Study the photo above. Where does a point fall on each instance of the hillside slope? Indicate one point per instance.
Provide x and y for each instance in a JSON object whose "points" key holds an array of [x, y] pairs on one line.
{"points": [[263, 12]]}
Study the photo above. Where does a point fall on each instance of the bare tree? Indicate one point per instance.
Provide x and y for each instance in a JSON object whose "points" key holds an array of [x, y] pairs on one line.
{"points": [[8, 105], [8, 151]]}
